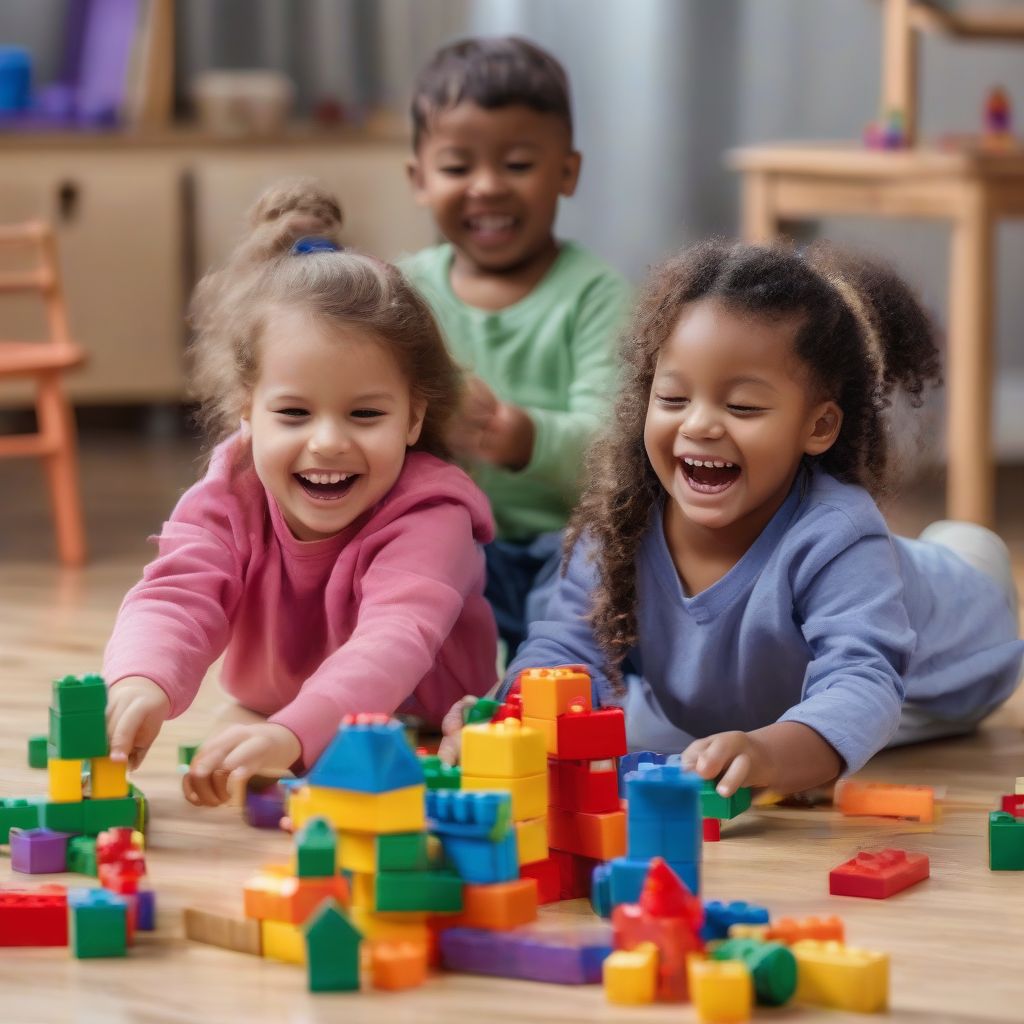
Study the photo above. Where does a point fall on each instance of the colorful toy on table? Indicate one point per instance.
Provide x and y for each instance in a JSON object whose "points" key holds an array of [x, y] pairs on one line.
{"points": [[881, 799], [997, 130], [889, 133], [878, 875]]}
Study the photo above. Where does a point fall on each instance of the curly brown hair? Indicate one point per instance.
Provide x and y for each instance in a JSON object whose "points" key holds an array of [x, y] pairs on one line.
{"points": [[861, 333], [231, 306]]}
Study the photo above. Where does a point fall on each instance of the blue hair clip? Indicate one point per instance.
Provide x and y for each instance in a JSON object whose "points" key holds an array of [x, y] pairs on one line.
{"points": [[313, 244]]}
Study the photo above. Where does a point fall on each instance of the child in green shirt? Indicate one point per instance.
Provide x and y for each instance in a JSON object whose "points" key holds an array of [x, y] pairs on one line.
{"points": [[532, 320]]}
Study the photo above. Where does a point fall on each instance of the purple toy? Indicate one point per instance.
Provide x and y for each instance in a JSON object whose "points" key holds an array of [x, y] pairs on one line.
{"points": [[264, 808], [38, 851], [145, 910]]}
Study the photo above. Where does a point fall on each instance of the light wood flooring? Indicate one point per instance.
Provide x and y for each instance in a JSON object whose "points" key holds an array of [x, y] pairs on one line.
{"points": [[956, 941]]}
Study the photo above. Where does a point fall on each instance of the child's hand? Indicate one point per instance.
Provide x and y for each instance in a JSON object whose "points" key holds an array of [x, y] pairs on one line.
{"points": [[451, 725], [742, 757], [136, 709], [226, 761]]}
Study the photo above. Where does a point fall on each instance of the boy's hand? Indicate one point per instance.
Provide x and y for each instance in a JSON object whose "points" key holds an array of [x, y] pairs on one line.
{"points": [[451, 726], [739, 757], [136, 709], [226, 761], [490, 430]]}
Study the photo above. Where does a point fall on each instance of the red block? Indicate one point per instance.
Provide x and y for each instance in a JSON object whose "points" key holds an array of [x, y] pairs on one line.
{"points": [[113, 844], [37, 917], [878, 876], [512, 708], [577, 786], [1013, 803], [674, 938], [575, 874], [712, 830], [591, 735], [548, 878]]}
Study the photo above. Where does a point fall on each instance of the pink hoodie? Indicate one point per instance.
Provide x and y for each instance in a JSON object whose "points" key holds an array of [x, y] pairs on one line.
{"points": [[388, 615]]}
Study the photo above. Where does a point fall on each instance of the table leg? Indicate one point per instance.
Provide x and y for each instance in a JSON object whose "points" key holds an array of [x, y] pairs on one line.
{"points": [[758, 221]]}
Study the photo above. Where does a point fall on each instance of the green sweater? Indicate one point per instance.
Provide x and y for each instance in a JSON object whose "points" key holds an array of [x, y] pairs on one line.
{"points": [[552, 353]]}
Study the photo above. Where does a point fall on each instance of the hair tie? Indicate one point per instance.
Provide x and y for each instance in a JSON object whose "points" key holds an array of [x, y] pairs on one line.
{"points": [[314, 244]]}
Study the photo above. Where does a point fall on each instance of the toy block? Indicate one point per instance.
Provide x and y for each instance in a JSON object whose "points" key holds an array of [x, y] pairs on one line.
{"points": [[481, 861], [575, 874], [597, 836], [37, 755], [108, 779], [69, 817], [886, 801], [369, 853], [471, 815], [498, 907], [401, 810], [141, 822], [398, 965], [241, 934], [186, 751], [720, 917], [98, 923], [503, 750], [788, 930], [628, 875], [439, 775], [511, 708], [316, 849], [80, 734], [144, 904], [281, 940], [369, 754], [264, 808], [771, 964], [581, 735], [722, 991], [439, 892], [389, 927], [550, 692], [37, 851], [18, 812], [749, 931], [529, 793], [98, 815], [547, 876], [124, 875], [332, 950], [631, 976], [274, 894], [601, 890], [664, 817], [841, 977], [482, 711], [1013, 803], [37, 917], [74, 695], [631, 761], [712, 829], [714, 805], [65, 780], [112, 844], [1005, 842], [588, 786], [82, 856], [532, 840], [878, 876]]}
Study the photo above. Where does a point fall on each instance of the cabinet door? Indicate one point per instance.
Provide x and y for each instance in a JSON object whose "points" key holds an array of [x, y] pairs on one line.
{"points": [[118, 221], [368, 178]]}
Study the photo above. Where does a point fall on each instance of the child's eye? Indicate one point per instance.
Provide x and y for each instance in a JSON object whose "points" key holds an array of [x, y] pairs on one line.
{"points": [[366, 414], [745, 410], [454, 170], [519, 166], [675, 401], [292, 412]]}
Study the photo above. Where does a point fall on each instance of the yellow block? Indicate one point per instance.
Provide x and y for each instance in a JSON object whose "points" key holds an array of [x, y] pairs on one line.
{"points": [[65, 780], [390, 927], [364, 889], [283, 941], [400, 810], [503, 750], [548, 728], [549, 692], [529, 794], [749, 931], [107, 778], [720, 990], [532, 840], [631, 975], [842, 977]]}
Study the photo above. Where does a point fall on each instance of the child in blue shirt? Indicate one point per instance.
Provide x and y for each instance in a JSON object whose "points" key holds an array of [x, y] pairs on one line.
{"points": [[729, 576]]}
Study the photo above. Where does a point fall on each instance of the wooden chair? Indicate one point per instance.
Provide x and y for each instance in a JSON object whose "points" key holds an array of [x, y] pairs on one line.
{"points": [[46, 361]]}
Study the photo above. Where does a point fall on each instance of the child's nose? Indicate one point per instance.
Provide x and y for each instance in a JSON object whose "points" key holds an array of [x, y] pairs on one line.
{"points": [[329, 438], [486, 181], [701, 421]]}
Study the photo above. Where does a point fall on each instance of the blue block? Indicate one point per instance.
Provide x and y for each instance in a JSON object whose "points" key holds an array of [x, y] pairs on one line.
{"points": [[145, 910], [371, 757], [473, 814], [627, 878], [629, 762], [601, 890], [720, 917], [482, 861], [664, 814]]}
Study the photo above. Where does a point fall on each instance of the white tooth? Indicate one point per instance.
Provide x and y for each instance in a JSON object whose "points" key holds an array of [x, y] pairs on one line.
{"points": [[697, 462], [335, 478], [719, 464], [688, 460]]}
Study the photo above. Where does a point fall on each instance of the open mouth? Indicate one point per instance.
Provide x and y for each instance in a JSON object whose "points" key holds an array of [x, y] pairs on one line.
{"points": [[491, 228], [709, 476], [326, 486]]}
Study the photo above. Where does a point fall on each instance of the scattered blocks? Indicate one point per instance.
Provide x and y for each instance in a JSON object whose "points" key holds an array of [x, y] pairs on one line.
{"points": [[720, 917], [98, 923], [34, 918], [1005, 842], [878, 875], [721, 990], [883, 800], [631, 975], [37, 851], [841, 977]]}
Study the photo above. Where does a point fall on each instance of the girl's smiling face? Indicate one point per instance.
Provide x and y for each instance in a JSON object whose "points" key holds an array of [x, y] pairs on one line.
{"points": [[731, 413], [331, 417]]}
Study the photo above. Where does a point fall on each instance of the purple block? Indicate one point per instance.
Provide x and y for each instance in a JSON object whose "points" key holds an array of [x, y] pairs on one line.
{"points": [[265, 808], [475, 951], [145, 910], [38, 851]]}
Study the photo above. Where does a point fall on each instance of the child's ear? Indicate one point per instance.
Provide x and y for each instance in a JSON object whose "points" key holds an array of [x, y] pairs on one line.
{"points": [[571, 171], [825, 421], [417, 412], [414, 173]]}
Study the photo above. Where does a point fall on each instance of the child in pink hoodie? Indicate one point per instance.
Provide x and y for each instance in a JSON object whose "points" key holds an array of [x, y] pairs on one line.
{"points": [[330, 550]]}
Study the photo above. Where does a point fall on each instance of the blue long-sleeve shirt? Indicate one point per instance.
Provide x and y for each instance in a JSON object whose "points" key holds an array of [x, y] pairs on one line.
{"points": [[828, 619]]}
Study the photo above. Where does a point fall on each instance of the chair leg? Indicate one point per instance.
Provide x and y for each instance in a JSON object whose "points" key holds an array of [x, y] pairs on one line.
{"points": [[57, 425]]}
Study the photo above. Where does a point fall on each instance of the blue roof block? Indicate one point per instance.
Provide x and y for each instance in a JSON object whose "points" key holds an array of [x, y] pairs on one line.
{"points": [[368, 756]]}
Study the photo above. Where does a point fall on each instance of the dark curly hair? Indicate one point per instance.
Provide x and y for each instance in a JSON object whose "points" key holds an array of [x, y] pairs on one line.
{"points": [[861, 333]]}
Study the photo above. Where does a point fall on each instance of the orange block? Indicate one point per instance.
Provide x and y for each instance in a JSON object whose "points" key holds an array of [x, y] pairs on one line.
{"points": [[548, 692], [886, 801], [397, 965], [498, 907], [790, 929], [271, 896], [598, 836]]}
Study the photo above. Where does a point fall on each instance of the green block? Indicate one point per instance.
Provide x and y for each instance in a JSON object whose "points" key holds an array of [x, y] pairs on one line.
{"points": [[772, 967], [142, 808], [18, 812], [332, 950], [63, 817], [82, 855], [1005, 842], [712, 805], [316, 849], [400, 891], [482, 711], [439, 775], [37, 756], [98, 923], [186, 751], [72, 695], [402, 851], [78, 734], [111, 812]]}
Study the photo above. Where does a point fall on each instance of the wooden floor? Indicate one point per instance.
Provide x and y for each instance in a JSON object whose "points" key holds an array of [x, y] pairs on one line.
{"points": [[956, 941]]}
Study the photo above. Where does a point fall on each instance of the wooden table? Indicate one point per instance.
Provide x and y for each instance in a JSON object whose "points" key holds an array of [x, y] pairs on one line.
{"points": [[971, 190]]}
